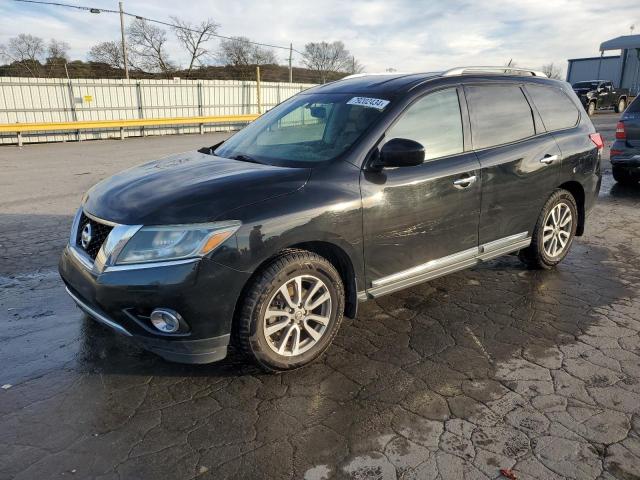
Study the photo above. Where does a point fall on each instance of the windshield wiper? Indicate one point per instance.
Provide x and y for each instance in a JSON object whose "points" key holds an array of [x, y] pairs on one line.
{"points": [[244, 158]]}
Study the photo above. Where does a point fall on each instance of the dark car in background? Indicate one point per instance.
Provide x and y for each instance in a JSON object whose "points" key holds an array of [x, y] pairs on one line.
{"points": [[601, 95], [625, 150], [343, 193]]}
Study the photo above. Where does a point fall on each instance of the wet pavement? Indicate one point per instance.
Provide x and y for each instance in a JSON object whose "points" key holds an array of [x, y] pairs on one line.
{"points": [[491, 368]]}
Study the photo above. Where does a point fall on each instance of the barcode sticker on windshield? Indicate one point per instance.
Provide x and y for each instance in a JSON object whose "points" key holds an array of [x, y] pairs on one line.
{"points": [[376, 103]]}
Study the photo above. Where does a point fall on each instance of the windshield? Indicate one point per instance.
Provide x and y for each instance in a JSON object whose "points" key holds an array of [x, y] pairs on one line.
{"points": [[306, 129], [590, 85]]}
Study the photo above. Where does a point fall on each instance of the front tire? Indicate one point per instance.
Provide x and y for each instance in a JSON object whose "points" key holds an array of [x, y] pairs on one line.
{"points": [[554, 232], [292, 311], [622, 104], [591, 109]]}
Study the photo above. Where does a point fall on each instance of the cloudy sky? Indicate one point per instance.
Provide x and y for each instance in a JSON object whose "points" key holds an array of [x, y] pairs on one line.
{"points": [[402, 34]]}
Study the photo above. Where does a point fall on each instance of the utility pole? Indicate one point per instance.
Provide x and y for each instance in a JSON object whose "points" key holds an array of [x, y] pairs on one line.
{"points": [[124, 45], [290, 68], [259, 94]]}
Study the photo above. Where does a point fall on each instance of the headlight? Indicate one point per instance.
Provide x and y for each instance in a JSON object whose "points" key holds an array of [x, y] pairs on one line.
{"points": [[175, 242]]}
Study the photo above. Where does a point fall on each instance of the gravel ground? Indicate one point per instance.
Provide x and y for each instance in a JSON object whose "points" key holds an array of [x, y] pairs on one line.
{"points": [[494, 367]]}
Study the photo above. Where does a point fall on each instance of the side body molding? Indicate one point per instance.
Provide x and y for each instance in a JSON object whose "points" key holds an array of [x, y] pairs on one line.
{"points": [[445, 265]]}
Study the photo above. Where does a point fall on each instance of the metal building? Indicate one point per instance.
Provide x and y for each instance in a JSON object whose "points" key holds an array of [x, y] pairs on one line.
{"points": [[623, 69]]}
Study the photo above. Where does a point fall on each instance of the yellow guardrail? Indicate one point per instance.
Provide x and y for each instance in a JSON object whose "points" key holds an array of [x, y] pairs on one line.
{"points": [[19, 128]]}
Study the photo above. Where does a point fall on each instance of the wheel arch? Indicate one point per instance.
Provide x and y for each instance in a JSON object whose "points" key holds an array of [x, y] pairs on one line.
{"points": [[342, 262], [577, 190], [333, 253]]}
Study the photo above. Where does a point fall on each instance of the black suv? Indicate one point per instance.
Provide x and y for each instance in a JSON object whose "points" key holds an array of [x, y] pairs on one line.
{"points": [[625, 151], [345, 192]]}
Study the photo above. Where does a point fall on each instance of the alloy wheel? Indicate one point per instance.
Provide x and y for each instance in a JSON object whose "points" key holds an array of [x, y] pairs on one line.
{"points": [[297, 315], [557, 230]]}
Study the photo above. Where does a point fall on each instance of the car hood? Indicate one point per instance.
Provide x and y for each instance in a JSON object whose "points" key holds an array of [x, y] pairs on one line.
{"points": [[190, 187], [581, 91]]}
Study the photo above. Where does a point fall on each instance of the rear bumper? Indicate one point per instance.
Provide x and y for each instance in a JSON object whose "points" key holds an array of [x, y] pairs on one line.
{"points": [[203, 292], [631, 161], [623, 155], [625, 158]]}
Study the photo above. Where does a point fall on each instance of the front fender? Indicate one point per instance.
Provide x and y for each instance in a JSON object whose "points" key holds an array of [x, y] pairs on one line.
{"points": [[327, 209]]}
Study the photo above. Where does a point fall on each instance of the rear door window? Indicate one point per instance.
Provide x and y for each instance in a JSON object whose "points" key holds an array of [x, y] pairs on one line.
{"points": [[500, 114], [433, 121], [555, 107]]}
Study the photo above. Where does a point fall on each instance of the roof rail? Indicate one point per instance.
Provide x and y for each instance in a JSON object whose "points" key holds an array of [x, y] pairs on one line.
{"points": [[494, 71], [357, 75]]}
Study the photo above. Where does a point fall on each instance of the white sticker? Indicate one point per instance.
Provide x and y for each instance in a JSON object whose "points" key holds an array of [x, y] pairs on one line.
{"points": [[376, 103]]}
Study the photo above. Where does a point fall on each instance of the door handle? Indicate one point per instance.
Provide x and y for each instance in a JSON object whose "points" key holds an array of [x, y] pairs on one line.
{"points": [[547, 159], [464, 182]]}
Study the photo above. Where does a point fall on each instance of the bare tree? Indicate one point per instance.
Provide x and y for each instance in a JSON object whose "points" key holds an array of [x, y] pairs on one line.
{"points": [[354, 66], [57, 56], [194, 37], [234, 51], [107, 52], [264, 56], [148, 47], [240, 52], [326, 57], [25, 48], [57, 50], [552, 71]]}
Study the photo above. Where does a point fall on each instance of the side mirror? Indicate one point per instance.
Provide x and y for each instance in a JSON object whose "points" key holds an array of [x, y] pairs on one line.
{"points": [[400, 152]]}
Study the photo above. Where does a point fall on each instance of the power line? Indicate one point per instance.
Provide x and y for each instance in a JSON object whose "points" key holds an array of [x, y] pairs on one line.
{"points": [[146, 19]]}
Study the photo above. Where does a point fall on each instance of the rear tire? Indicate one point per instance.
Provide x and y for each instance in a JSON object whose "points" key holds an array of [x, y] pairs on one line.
{"points": [[591, 108], [554, 232], [623, 177], [292, 311], [622, 104]]}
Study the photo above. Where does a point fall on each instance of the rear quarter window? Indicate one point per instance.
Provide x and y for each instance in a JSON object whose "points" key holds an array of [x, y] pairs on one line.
{"points": [[500, 114], [555, 107]]}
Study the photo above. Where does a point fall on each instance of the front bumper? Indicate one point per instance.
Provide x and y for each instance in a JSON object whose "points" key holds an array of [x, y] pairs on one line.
{"points": [[202, 291]]}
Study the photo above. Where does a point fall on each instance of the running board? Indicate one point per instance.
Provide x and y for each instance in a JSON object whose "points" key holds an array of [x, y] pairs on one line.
{"points": [[445, 265]]}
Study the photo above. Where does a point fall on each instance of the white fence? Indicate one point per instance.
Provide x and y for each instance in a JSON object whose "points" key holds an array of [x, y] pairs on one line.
{"points": [[49, 100]]}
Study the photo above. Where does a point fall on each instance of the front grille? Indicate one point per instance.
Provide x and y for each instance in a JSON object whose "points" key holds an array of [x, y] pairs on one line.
{"points": [[99, 233]]}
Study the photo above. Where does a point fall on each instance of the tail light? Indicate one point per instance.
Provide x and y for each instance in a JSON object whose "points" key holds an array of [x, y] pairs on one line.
{"points": [[596, 138], [620, 133]]}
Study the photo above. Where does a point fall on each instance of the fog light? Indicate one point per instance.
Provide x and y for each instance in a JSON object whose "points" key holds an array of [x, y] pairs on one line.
{"points": [[165, 320]]}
